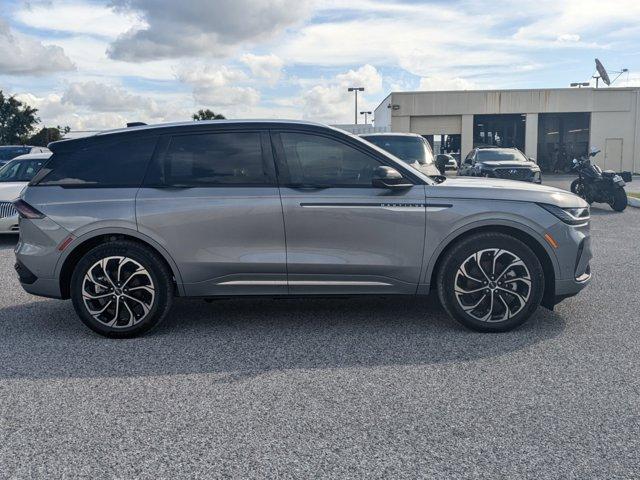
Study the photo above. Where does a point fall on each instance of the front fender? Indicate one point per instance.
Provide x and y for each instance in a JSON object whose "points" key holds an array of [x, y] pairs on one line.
{"points": [[445, 226]]}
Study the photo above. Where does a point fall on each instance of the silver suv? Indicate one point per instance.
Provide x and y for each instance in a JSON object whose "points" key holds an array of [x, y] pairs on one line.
{"points": [[124, 221]]}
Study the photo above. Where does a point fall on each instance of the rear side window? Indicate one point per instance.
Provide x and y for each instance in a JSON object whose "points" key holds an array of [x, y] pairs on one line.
{"points": [[212, 159], [114, 163]]}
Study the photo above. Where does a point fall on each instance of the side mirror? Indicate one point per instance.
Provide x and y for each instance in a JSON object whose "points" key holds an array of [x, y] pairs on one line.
{"points": [[531, 159], [387, 177]]}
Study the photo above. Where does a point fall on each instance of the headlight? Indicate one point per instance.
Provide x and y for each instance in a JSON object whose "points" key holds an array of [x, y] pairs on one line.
{"points": [[572, 216]]}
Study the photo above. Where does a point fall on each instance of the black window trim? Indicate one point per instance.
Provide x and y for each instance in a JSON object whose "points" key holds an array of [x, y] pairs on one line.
{"points": [[265, 147], [284, 179]]}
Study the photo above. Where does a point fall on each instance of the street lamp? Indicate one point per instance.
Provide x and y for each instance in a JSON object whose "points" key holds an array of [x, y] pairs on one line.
{"points": [[366, 114], [356, 90]]}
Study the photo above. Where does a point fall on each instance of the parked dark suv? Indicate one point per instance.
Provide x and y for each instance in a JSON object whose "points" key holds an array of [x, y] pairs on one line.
{"points": [[123, 221], [495, 162]]}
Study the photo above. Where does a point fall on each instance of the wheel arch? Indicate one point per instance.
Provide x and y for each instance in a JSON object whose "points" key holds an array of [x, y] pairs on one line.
{"points": [[80, 246], [547, 258]]}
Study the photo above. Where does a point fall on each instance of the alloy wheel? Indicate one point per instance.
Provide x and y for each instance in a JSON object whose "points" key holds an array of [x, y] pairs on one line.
{"points": [[492, 285], [118, 292]]}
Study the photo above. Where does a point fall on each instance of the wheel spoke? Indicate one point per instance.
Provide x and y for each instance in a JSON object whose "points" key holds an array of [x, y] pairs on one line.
{"points": [[86, 294], [145, 307], [522, 299], [116, 315], [142, 287], [93, 280], [103, 264], [132, 317], [98, 312], [478, 256], [140, 271], [463, 269]]}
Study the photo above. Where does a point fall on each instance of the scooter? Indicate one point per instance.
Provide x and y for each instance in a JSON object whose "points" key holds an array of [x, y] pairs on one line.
{"points": [[595, 185]]}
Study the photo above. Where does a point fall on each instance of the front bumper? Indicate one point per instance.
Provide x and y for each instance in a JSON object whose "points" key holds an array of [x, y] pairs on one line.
{"points": [[9, 224], [574, 257]]}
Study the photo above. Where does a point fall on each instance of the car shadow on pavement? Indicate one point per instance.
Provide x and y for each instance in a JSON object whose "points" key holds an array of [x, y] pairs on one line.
{"points": [[8, 242], [248, 337]]}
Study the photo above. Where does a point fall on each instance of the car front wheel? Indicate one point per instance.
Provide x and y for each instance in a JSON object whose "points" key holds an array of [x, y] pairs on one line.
{"points": [[490, 282], [121, 289]]}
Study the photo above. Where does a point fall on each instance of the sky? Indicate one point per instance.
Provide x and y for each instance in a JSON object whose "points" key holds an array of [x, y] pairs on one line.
{"points": [[93, 64]]}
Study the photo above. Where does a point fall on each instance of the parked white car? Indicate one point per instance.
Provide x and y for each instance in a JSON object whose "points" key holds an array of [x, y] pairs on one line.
{"points": [[14, 176]]}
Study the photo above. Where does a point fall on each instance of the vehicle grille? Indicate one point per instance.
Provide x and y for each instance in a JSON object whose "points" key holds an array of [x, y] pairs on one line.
{"points": [[513, 173], [7, 210]]}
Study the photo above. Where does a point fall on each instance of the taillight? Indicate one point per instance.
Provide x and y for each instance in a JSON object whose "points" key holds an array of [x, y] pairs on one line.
{"points": [[27, 211]]}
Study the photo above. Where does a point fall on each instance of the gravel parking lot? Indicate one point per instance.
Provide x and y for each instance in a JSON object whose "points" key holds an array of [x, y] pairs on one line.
{"points": [[375, 387]]}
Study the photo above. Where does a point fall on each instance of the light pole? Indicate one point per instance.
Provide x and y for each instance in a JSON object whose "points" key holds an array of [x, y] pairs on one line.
{"points": [[366, 114], [356, 90]]}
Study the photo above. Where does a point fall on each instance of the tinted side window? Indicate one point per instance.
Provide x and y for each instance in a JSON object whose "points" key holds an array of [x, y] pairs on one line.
{"points": [[212, 159], [112, 163], [317, 160]]}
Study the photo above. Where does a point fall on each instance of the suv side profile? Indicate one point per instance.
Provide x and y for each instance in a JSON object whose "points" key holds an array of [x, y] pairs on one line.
{"points": [[124, 221]]}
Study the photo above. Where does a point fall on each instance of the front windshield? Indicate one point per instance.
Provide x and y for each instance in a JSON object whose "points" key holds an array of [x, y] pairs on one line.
{"points": [[20, 170], [409, 149], [500, 155], [7, 153]]}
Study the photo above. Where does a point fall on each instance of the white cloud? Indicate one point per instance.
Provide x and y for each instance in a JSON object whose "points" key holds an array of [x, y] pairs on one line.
{"points": [[22, 55], [77, 17], [568, 37], [268, 67], [445, 83], [216, 87], [201, 27], [331, 102], [101, 97]]}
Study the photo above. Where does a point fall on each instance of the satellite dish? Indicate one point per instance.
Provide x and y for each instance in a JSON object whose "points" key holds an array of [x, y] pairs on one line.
{"points": [[603, 72]]}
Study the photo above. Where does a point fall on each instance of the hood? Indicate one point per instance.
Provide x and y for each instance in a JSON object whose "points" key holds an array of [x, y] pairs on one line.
{"points": [[498, 189], [508, 164], [11, 190]]}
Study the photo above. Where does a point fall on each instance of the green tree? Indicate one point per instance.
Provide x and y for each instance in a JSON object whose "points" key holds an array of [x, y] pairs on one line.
{"points": [[17, 120], [207, 114], [47, 135]]}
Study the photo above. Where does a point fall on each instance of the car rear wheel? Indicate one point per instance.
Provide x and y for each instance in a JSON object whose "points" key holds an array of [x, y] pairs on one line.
{"points": [[121, 289], [490, 282]]}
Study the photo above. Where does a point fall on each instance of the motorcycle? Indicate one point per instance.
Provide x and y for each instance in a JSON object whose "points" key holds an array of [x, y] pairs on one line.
{"points": [[595, 185]]}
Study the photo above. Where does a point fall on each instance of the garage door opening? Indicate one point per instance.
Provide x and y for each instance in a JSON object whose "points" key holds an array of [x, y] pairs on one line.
{"points": [[503, 130], [561, 138]]}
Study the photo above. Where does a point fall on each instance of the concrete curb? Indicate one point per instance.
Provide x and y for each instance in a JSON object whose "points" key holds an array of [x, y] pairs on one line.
{"points": [[634, 202]]}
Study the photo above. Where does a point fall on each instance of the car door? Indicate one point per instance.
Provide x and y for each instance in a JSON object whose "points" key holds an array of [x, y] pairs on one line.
{"points": [[466, 167], [344, 235], [212, 201]]}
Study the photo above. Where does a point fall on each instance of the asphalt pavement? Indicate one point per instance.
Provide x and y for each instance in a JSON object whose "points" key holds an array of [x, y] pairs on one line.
{"points": [[342, 388]]}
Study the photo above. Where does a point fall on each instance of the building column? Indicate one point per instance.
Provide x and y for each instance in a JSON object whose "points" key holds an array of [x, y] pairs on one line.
{"points": [[531, 136], [466, 140]]}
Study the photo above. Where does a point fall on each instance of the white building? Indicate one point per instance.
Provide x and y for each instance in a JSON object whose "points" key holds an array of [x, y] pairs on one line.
{"points": [[551, 125]]}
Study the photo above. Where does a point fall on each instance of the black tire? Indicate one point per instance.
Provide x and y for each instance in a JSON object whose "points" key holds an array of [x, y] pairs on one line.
{"points": [[620, 201], [448, 274], [578, 188], [154, 306]]}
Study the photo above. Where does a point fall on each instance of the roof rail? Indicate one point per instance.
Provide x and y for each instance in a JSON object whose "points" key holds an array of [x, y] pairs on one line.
{"points": [[135, 124]]}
